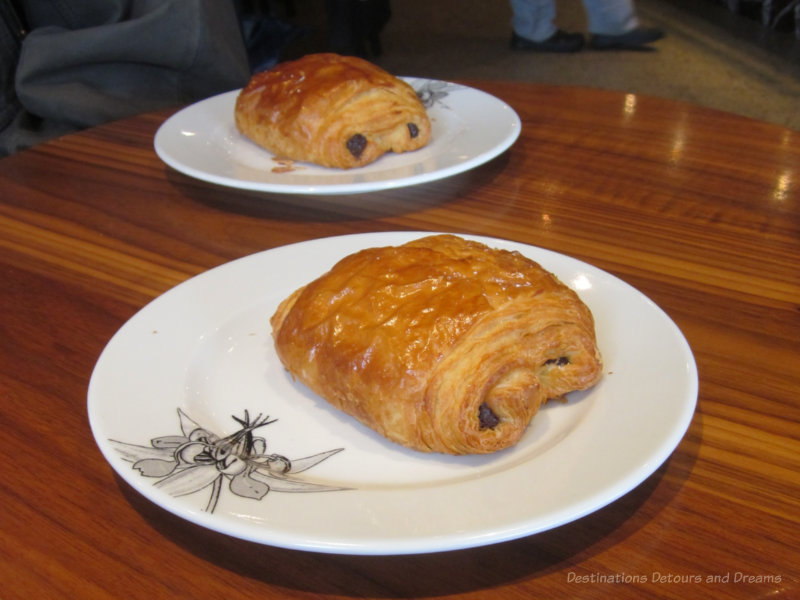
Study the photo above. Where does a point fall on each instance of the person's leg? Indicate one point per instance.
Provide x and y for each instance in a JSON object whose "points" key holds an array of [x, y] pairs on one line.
{"points": [[613, 25], [533, 19], [610, 17], [533, 28], [341, 15]]}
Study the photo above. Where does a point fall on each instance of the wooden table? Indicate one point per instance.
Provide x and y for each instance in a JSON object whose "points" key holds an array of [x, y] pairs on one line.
{"points": [[698, 209]]}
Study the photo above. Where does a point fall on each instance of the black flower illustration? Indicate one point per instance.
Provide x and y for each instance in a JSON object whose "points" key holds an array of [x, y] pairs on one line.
{"points": [[433, 91], [198, 459]]}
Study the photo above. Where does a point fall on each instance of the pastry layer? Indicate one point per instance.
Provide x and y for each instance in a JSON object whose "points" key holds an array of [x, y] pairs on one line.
{"points": [[331, 110], [441, 344]]}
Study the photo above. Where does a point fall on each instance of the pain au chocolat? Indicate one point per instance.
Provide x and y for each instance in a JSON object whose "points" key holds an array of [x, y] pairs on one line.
{"points": [[441, 344], [331, 110]]}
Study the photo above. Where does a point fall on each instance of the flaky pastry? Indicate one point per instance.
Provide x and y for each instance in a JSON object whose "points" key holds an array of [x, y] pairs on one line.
{"points": [[331, 110], [441, 344]]}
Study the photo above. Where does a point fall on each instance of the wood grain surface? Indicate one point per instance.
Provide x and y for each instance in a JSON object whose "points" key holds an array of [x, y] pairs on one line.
{"points": [[698, 209]]}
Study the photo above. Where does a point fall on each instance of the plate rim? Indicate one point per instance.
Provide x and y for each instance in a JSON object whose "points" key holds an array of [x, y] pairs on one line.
{"points": [[339, 188], [406, 545]]}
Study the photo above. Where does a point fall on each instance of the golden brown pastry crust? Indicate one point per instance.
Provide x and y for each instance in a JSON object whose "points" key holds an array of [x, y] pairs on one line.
{"points": [[441, 344], [335, 111]]}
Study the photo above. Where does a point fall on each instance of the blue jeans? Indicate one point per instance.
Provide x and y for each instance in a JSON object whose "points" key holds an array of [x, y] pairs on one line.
{"points": [[534, 19]]}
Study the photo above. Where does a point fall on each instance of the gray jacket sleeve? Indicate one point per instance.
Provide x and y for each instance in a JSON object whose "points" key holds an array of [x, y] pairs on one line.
{"points": [[83, 64]]}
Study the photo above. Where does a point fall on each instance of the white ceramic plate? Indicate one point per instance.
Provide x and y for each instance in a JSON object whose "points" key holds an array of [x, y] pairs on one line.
{"points": [[202, 353], [469, 127]]}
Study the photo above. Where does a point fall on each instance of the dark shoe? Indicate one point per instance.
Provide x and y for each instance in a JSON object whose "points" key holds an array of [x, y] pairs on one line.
{"points": [[635, 39], [560, 41]]}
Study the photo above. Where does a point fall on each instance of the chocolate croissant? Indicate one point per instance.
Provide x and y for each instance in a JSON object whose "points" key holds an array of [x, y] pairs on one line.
{"points": [[441, 344], [331, 110]]}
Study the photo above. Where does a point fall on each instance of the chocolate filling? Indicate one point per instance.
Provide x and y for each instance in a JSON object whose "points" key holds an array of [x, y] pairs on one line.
{"points": [[559, 362], [413, 130], [356, 144], [486, 416]]}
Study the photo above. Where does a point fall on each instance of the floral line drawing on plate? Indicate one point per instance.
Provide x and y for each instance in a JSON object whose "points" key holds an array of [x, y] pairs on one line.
{"points": [[432, 92], [198, 458]]}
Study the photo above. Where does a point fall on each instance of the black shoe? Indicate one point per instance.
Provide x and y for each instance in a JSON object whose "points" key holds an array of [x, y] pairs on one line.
{"points": [[560, 41], [635, 39]]}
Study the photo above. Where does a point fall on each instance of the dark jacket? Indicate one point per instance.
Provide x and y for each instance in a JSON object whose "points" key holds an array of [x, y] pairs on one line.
{"points": [[70, 64]]}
